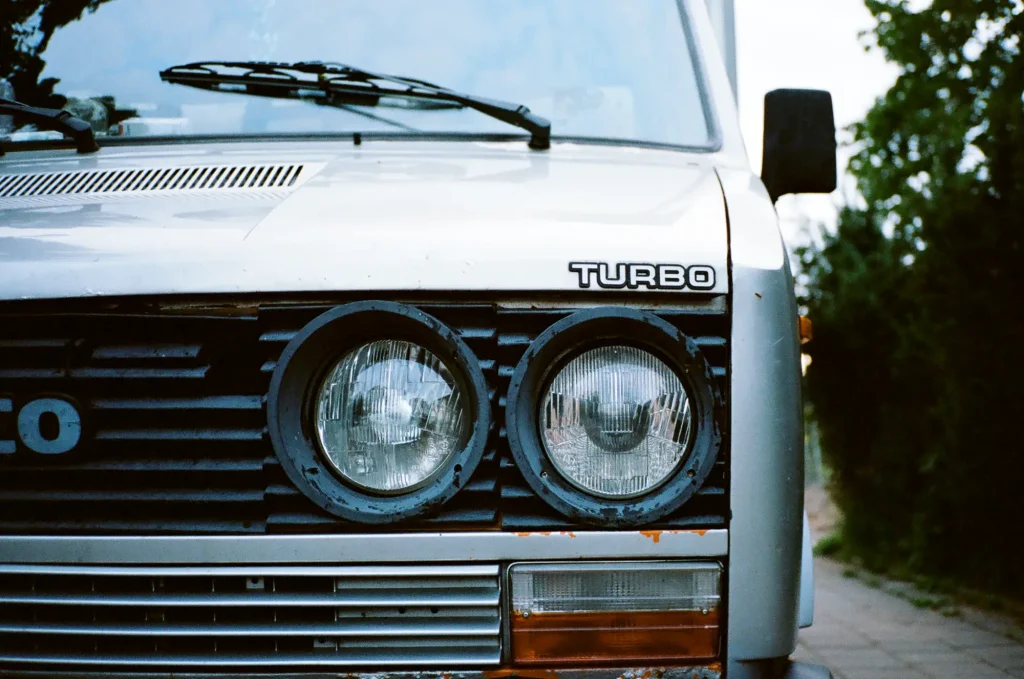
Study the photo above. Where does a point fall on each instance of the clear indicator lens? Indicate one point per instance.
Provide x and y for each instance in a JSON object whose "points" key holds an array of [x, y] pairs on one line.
{"points": [[616, 422], [390, 415], [603, 587]]}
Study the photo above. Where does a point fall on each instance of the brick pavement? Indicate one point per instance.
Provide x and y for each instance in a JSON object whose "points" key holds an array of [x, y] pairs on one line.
{"points": [[864, 632]]}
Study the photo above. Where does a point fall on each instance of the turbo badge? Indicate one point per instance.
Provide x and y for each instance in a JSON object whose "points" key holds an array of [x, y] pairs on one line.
{"points": [[634, 276]]}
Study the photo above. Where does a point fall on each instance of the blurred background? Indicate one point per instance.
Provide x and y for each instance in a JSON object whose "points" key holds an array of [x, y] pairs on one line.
{"points": [[912, 275]]}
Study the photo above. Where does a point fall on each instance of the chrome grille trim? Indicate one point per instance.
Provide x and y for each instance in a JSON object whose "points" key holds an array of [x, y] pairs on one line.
{"points": [[233, 617], [416, 548], [460, 657], [253, 571]]}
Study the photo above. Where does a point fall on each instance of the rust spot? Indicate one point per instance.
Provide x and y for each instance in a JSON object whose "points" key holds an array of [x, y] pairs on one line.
{"points": [[543, 639], [758, 295], [654, 535], [526, 535], [699, 532], [571, 534]]}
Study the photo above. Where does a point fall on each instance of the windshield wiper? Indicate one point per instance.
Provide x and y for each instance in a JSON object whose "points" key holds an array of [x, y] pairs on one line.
{"points": [[54, 119], [340, 85]]}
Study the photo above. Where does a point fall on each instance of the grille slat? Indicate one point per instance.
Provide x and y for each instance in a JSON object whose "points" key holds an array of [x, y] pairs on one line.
{"points": [[176, 440], [428, 655], [234, 617], [412, 628], [399, 597]]}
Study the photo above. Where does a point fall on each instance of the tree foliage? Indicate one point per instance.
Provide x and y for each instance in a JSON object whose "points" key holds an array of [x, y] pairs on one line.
{"points": [[918, 302], [24, 36]]}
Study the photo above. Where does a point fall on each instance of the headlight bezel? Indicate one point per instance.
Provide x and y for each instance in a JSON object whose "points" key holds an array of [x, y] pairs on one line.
{"points": [[297, 379], [551, 352]]}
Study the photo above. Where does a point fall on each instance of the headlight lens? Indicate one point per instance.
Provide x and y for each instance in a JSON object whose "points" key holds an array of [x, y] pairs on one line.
{"points": [[389, 415], [616, 422]]}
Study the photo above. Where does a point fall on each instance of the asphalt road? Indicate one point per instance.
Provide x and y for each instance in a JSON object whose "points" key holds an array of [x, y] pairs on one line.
{"points": [[864, 631]]}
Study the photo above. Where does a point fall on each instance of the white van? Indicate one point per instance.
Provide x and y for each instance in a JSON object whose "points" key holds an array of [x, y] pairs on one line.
{"points": [[443, 338]]}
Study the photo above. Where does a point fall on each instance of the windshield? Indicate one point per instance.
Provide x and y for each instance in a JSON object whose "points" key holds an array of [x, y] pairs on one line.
{"points": [[599, 69]]}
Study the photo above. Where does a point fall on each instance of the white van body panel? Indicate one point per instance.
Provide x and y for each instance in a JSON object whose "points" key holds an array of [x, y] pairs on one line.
{"points": [[384, 216]]}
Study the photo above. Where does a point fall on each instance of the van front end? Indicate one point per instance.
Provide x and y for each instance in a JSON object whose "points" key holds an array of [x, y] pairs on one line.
{"points": [[599, 473], [313, 369]]}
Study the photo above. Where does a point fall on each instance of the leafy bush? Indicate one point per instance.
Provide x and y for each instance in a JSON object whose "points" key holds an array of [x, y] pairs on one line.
{"points": [[918, 303], [830, 545]]}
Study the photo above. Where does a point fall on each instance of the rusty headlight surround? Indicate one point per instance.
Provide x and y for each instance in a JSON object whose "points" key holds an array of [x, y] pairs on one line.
{"points": [[564, 341], [293, 392]]}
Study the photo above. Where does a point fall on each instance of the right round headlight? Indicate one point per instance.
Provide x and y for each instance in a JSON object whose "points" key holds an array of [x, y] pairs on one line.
{"points": [[616, 421], [614, 417]]}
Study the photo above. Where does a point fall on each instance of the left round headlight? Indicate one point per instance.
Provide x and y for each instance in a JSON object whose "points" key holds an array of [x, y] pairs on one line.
{"points": [[378, 412], [389, 416]]}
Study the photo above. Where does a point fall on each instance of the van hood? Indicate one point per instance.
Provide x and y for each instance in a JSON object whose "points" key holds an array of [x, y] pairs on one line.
{"points": [[384, 216]]}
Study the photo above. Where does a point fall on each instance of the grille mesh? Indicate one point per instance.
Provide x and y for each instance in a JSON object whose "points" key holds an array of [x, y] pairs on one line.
{"points": [[176, 441], [208, 617], [173, 180]]}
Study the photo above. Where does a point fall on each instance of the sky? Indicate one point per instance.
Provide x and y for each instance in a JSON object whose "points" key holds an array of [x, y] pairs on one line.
{"points": [[812, 44]]}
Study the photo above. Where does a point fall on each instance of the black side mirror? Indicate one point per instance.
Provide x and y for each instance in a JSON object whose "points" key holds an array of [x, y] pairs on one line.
{"points": [[799, 143]]}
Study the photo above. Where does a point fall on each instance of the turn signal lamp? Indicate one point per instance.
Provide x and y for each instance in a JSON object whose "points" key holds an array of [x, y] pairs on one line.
{"points": [[601, 613]]}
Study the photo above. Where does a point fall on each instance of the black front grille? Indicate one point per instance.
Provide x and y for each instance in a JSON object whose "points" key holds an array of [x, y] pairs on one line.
{"points": [[173, 402]]}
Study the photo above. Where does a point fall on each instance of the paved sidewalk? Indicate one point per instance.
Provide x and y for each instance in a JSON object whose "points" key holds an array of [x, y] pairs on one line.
{"points": [[862, 632]]}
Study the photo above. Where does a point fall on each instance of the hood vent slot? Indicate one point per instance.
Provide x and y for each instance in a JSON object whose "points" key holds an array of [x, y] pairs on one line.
{"points": [[170, 180]]}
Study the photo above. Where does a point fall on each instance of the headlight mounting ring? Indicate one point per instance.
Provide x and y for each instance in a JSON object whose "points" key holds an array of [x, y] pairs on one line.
{"points": [[567, 339], [296, 380]]}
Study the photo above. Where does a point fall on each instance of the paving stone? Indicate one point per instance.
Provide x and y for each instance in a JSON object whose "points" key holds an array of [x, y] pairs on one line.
{"points": [[846, 659], [1006, 658], [903, 673], [965, 670], [864, 632]]}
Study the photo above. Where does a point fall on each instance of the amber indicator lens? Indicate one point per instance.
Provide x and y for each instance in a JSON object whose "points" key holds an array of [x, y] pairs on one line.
{"points": [[600, 613]]}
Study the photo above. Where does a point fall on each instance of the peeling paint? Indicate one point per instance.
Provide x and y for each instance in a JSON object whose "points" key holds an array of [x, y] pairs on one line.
{"points": [[519, 674], [546, 532], [654, 535]]}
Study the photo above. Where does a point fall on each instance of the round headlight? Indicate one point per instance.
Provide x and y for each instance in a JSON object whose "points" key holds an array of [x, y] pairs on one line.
{"points": [[614, 417], [389, 416], [616, 422]]}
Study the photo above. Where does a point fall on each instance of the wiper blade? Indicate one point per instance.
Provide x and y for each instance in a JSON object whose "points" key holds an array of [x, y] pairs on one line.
{"points": [[334, 84], [54, 119]]}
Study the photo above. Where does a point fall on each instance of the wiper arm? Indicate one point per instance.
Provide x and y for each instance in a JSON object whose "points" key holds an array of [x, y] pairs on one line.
{"points": [[54, 119], [339, 84]]}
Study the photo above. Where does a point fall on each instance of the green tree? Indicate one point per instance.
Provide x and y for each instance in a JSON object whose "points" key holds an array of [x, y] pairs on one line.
{"points": [[918, 302], [23, 42], [24, 37]]}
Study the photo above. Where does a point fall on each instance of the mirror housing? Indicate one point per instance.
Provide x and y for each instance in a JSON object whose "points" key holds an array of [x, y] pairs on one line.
{"points": [[799, 143]]}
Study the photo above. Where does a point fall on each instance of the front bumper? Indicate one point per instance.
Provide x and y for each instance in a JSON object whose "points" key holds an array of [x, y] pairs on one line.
{"points": [[427, 550], [795, 670], [264, 605]]}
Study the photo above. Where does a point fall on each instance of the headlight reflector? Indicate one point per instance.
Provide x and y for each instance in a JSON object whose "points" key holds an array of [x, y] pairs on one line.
{"points": [[616, 422], [389, 416]]}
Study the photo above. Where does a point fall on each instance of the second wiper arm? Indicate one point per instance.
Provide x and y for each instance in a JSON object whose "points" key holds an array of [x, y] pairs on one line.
{"points": [[54, 119], [347, 84]]}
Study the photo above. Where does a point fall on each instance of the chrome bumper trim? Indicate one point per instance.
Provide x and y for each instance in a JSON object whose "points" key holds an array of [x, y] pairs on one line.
{"points": [[712, 671], [338, 549]]}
